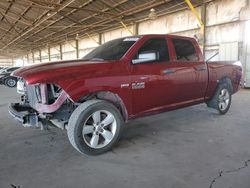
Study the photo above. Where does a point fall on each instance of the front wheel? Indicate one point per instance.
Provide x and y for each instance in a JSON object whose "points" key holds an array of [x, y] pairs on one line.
{"points": [[94, 127]]}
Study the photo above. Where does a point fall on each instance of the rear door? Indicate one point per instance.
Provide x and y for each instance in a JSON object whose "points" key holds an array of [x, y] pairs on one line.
{"points": [[190, 70]]}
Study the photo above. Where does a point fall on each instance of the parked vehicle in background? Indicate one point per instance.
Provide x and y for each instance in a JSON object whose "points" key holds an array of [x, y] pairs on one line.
{"points": [[6, 78], [123, 79], [2, 70]]}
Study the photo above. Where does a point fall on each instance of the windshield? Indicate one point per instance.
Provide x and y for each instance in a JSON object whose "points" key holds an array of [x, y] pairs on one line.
{"points": [[112, 50]]}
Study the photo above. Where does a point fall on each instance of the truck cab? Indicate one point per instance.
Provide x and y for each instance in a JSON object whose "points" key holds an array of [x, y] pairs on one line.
{"points": [[178, 73]]}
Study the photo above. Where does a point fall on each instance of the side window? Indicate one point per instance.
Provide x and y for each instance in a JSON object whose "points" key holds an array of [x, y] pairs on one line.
{"points": [[153, 50], [185, 50]]}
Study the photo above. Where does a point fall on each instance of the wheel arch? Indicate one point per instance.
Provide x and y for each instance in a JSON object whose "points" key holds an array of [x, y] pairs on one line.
{"points": [[226, 80], [109, 96]]}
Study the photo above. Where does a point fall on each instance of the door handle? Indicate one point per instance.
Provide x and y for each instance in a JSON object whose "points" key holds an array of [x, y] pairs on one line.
{"points": [[143, 78], [200, 68], [168, 71]]}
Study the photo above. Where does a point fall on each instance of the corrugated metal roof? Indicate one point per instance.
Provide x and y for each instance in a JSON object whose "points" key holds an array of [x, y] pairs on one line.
{"points": [[32, 24]]}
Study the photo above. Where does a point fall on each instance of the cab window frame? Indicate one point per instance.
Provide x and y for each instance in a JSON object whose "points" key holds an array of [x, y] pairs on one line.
{"points": [[167, 58], [196, 53]]}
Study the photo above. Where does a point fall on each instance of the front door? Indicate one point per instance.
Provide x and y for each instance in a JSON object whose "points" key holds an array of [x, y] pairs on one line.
{"points": [[152, 79]]}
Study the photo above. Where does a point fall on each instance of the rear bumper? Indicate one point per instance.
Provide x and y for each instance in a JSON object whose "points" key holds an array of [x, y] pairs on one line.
{"points": [[23, 114]]}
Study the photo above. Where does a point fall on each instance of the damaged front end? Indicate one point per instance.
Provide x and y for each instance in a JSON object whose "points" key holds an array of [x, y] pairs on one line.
{"points": [[41, 105]]}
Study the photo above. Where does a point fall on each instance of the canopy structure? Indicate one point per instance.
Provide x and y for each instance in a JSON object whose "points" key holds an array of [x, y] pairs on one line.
{"points": [[32, 24]]}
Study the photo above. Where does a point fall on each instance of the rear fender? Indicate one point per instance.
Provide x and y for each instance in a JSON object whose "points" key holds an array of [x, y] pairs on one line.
{"points": [[226, 80]]}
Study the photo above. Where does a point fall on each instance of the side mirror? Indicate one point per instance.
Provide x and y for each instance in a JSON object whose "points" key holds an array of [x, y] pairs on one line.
{"points": [[145, 57]]}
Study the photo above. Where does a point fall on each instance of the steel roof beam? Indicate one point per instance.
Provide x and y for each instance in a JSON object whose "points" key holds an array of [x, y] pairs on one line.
{"points": [[39, 23], [134, 10], [57, 20], [13, 26], [7, 10]]}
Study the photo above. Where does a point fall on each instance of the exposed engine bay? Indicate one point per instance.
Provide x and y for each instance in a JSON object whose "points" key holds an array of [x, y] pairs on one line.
{"points": [[42, 105]]}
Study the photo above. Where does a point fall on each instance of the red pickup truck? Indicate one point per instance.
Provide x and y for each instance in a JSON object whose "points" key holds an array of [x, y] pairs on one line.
{"points": [[120, 80]]}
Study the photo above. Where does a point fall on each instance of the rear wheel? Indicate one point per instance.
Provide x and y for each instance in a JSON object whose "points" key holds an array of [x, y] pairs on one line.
{"points": [[222, 98], [224, 101], [94, 127], [10, 82]]}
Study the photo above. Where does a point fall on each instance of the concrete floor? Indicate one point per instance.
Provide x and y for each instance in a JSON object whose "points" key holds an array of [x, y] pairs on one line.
{"points": [[192, 148]]}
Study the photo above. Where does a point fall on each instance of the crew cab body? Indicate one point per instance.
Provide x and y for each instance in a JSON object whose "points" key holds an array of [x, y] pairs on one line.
{"points": [[139, 75]]}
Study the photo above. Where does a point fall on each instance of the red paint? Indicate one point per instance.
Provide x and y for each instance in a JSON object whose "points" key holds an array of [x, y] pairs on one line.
{"points": [[187, 85]]}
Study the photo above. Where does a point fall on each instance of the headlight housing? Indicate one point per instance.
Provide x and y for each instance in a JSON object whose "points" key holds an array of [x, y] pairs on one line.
{"points": [[21, 88]]}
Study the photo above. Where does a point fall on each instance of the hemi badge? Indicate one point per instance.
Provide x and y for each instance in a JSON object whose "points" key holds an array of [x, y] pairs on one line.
{"points": [[124, 85], [138, 85]]}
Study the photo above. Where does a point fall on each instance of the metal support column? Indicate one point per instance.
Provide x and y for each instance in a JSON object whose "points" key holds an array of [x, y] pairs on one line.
{"points": [[100, 38], [136, 28], [49, 53], [33, 57], [61, 54], [40, 56], [203, 19], [77, 48], [92, 38]]}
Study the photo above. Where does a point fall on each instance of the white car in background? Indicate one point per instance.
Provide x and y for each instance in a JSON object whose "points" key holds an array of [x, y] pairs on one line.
{"points": [[6, 78]]}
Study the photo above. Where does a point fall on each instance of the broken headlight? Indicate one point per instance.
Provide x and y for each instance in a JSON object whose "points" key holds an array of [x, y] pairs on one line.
{"points": [[21, 88]]}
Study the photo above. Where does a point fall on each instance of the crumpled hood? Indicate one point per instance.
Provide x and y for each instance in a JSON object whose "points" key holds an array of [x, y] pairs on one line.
{"points": [[62, 70]]}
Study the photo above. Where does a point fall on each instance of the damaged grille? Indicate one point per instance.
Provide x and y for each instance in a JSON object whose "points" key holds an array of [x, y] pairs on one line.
{"points": [[33, 95], [42, 93]]}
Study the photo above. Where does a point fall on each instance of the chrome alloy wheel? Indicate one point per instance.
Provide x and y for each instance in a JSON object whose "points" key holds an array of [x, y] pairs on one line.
{"points": [[99, 129], [224, 99]]}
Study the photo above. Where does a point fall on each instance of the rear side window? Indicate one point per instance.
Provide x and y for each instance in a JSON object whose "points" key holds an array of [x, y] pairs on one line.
{"points": [[158, 45], [185, 50]]}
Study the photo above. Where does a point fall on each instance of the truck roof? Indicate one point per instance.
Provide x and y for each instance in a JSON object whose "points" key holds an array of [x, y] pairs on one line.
{"points": [[161, 35]]}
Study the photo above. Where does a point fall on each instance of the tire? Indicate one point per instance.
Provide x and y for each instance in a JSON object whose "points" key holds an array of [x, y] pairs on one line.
{"points": [[10, 82], [87, 131], [222, 98]]}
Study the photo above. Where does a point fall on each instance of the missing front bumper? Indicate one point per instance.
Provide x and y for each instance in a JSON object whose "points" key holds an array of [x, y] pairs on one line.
{"points": [[24, 114]]}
